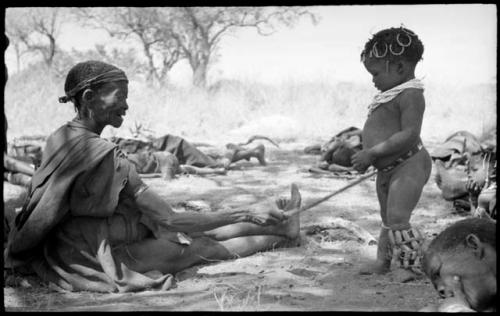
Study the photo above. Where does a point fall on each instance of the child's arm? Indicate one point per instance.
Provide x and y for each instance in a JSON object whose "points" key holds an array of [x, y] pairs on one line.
{"points": [[412, 108]]}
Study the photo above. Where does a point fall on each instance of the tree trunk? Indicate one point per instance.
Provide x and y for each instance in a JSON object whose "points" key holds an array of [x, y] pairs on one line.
{"points": [[18, 57], [52, 50], [152, 74], [200, 73]]}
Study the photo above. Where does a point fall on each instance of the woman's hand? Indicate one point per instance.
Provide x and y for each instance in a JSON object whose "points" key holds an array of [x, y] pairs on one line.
{"points": [[266, 214], [362, 160]]}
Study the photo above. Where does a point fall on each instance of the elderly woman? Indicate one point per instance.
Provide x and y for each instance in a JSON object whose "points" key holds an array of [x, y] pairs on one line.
{"points": [[90, 223]]}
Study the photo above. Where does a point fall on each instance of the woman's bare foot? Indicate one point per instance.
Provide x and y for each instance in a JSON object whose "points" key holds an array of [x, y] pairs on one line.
{"points": [[260, 152], [292, 230]]}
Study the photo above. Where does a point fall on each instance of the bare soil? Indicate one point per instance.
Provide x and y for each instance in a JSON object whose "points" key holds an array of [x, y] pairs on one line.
{"points": [[337, 236]]}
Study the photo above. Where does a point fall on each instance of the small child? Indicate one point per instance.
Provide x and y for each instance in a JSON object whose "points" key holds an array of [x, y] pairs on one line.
{"points": [[392, 144]]}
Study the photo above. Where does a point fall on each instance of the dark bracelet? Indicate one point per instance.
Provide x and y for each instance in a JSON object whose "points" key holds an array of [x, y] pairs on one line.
{"points": [[141, 189]]}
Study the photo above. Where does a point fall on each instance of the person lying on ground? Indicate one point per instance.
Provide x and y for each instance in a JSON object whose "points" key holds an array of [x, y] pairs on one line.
{"points": [[16, 171], [336, 154], [163, 153], [461, 263], [91, 224], [392, 144], [482, 185], [453, 160]]}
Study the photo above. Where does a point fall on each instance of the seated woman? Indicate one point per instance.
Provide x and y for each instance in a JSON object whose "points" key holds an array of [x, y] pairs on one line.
{"points": [[91, 224]]}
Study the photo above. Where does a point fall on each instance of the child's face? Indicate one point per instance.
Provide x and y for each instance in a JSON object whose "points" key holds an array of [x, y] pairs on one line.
{"points": [[110, 104], [385, 75]]}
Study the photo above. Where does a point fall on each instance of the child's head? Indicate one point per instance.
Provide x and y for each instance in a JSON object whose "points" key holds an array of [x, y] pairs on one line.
{"points": [[393, 54], [461, 263], [98, 91]]}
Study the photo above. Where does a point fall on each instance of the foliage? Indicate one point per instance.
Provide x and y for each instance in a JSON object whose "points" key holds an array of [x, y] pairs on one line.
{"points": [[147, 27], [123, 58], [318, 109], [35, 31], [169, 34], [198, 30]]}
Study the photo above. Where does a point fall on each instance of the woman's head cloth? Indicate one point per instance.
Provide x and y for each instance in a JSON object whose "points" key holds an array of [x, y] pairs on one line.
{"points": [[89, 73]]}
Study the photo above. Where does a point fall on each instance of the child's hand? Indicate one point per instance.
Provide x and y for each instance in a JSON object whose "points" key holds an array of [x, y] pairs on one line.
{"points": [[362, 160], [473, 187]]}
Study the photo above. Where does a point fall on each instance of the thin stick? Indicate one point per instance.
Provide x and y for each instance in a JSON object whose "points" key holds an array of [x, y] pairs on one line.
{"points": [[313, 204]]}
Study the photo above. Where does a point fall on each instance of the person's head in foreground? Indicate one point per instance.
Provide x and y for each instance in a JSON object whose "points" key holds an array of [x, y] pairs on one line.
{"points": [[99, 93], [461, 263], [391, 56]]}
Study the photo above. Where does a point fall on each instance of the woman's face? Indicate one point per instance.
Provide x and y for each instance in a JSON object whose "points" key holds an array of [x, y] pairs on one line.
{"points": [[110, 104]]}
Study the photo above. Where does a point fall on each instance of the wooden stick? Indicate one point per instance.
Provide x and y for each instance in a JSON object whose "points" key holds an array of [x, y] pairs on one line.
{"points": [[313, 204]]}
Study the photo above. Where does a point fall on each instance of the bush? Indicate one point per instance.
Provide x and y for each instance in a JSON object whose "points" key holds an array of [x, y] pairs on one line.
{"points": [[319, 108]]}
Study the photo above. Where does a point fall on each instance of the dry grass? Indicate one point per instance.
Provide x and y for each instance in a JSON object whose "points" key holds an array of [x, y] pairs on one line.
{"points": [[305, 110], [232, 298]]}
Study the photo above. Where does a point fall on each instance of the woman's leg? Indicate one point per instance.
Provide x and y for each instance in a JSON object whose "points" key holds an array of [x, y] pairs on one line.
{"points": [[168, 256], [289, 228]]}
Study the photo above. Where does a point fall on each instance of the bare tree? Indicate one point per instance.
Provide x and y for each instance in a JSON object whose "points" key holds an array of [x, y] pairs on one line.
{"points": [[199, 29], [148, 27], [168, 34], [34, 30]]}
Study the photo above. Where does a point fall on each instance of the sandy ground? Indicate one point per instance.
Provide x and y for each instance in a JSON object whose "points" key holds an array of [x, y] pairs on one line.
{"points": [[321, 274]]}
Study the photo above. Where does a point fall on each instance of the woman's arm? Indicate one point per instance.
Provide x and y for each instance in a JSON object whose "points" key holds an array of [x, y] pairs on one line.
{"points": [[159, 210]]}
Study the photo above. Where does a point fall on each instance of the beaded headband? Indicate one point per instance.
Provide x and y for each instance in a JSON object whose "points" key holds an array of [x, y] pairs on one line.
{"points": [[109, 76]]}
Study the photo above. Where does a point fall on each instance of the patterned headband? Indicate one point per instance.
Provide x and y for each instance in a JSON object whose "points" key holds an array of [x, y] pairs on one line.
{"points": [[109, 76]]}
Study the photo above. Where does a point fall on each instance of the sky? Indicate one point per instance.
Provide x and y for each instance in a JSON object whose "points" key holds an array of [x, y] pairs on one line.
{"points": [[460, 44]]}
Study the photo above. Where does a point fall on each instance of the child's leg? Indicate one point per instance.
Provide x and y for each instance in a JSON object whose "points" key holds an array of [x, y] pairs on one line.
{"points": [[384, 249], [405, 189]]}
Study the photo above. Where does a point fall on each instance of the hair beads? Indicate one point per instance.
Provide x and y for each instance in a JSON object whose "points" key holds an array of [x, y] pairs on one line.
{"points": [[401, 43], [376, 53], [394, 43], [394, 53]]}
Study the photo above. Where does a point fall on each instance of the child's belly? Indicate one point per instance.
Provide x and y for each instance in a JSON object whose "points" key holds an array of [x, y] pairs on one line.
{"points": [[380, 126]]}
